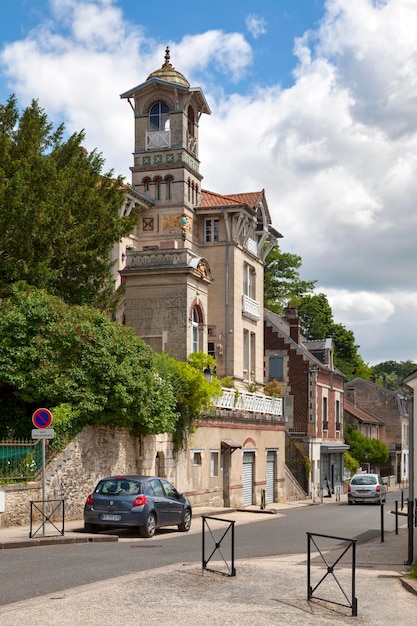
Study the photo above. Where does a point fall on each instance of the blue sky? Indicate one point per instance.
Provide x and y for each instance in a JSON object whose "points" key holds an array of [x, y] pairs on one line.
{"points": [[312, 100]]}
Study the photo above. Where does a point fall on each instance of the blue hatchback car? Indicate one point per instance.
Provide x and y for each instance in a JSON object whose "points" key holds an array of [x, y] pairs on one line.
{"points": [[144, 502]]}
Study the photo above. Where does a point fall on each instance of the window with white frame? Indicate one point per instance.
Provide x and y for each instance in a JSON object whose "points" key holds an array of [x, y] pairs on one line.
{"points": [[159, 117], [325, 414], [211, 230], [249, 348], [249, 281], [197, 458], [195, 331], [214, 463]]}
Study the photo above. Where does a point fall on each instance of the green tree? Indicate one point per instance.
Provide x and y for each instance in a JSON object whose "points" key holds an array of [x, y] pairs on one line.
{"points": [[194, 394], [282, 280], [351, 464], [59, 213], [317, 323], [391, 373], [73, 359], [364, 449]]}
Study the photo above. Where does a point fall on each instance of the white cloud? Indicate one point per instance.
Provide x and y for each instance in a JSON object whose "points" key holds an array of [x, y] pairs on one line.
{"points": [[256, 25], [336, 152]]}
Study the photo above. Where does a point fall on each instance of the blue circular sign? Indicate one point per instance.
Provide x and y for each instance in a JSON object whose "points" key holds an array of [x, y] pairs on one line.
{"points": [[42, 418]]}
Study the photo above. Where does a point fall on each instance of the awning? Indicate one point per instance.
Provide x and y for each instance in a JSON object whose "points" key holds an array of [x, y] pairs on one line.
{"points": [[334, 448], [227, 444]]}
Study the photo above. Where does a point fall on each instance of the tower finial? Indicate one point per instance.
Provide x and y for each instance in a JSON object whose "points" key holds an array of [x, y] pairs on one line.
{"points": [[167, 57]]}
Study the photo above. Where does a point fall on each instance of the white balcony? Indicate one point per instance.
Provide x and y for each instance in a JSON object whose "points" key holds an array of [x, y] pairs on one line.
{"points": [[158, 140], [250, 308], [251, 402]]}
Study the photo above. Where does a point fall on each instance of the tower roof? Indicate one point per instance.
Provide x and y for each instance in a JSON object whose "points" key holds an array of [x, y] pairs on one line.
{"points": [[168, 73]]}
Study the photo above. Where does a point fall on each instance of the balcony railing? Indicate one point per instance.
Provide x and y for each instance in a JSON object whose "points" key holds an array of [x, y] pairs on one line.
{"points": [[246, 401], [159, 139], [250, 308]]}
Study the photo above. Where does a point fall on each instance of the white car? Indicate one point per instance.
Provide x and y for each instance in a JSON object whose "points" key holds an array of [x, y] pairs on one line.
{"points": [[366, 488]]}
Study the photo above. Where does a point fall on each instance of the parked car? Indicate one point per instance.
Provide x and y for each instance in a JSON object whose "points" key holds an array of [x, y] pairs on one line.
{"points": [[144, 502], [366, 488]]}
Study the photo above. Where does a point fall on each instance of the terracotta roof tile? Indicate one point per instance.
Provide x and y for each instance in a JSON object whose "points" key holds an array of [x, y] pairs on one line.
{"points": [[212, 199]]}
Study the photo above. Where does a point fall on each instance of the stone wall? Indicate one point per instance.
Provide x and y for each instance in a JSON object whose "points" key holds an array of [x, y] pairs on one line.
{"points": [[71, 476]]}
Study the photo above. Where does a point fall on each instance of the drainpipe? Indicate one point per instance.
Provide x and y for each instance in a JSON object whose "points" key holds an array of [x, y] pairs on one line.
{"points": [[227, 300]]}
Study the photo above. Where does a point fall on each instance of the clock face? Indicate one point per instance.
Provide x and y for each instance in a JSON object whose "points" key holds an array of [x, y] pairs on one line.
{"points": [[147, 223]]}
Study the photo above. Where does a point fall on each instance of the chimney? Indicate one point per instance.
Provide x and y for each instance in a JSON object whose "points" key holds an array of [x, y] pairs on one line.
{"points": [[291, 316]]}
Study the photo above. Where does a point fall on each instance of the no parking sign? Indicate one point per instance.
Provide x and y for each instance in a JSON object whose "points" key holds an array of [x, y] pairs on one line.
{"points": [[42, 418]]}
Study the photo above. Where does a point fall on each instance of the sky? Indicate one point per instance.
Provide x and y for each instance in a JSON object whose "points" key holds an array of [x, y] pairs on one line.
{"points": [[314, 101]]}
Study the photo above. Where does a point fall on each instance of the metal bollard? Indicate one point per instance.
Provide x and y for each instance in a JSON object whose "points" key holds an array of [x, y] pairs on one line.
{"points": [[263, 499]]}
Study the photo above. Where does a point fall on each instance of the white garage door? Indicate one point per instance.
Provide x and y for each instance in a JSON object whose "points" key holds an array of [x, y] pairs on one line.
{"points": [[270, 476], [247, 478]]}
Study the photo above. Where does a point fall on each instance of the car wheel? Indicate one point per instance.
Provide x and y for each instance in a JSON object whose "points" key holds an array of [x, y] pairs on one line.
{"points": [[185, 526], [350, 502], [91, 528], [148, 530]]}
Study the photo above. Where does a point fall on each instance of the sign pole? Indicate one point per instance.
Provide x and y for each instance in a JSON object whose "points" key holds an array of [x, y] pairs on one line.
{"points": [[42, 419], [43, 485]]}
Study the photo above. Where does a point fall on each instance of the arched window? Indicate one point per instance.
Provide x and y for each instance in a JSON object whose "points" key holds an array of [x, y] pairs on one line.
{"points": [[191, 121], [168, 180], [146, 183], [189, 190], [197, 321], [159, 117], [157, 181]]}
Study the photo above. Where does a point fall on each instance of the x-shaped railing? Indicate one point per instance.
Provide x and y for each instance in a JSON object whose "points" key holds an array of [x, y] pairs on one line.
{"points": [[330, 571]]}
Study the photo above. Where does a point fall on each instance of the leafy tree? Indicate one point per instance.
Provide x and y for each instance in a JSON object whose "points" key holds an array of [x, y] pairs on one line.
{"points": [[282, 279], [351, 464], [316, 316], [317, 323], [59, 213], [86, 369], [192, 391], [391, 373], [364, 449]]}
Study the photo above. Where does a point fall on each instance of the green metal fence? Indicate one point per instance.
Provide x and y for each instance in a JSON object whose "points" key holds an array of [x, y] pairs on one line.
{"points": [[20, 460]]}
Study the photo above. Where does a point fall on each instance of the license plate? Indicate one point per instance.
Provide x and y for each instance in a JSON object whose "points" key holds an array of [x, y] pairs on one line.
{"points": [[110, 518]]}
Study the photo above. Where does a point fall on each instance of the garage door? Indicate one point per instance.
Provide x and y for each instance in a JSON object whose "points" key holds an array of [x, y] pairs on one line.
{"points": [[247, 478], [270, 476]]}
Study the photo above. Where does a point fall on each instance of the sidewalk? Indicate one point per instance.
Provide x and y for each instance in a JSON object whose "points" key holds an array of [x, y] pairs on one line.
{"points": [[265, 591]]}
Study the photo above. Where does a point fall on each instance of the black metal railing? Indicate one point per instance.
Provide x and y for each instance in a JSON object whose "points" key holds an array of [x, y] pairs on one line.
{"points": [[217, 536], [350, 544], [295, 459], [51, 512]]}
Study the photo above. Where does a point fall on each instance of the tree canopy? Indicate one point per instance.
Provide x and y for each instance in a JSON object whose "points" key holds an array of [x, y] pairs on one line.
{"points": [[282, 280], [317, 323], [364, 449], [59, 213], [74, 359]]}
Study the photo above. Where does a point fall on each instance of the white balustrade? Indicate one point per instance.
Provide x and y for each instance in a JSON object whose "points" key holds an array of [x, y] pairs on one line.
{"points": [[251, 402]]}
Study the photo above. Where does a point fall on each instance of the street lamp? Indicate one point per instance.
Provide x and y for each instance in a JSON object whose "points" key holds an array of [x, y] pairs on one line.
{"points": [[208, 374]]}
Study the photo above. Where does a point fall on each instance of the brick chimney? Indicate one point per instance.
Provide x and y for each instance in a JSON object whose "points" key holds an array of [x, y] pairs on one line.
{"points": [[291, 316]]}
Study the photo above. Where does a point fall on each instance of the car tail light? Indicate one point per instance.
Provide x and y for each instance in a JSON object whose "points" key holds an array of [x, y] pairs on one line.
{"points": [[89, 500], [378, 488], [139, 501], [349, 488]]}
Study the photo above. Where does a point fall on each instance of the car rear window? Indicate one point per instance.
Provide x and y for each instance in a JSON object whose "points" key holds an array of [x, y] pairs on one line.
{"points": [[119, 486], [364, 480]]}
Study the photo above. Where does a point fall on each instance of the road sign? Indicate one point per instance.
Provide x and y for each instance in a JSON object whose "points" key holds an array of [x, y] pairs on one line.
{"points": [[43, 433], [42, 418]]}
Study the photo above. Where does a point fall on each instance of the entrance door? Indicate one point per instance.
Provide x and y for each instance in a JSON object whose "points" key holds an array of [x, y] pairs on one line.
{"points": [[247, 478], [270, 476]]}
